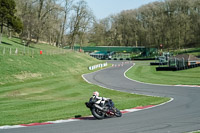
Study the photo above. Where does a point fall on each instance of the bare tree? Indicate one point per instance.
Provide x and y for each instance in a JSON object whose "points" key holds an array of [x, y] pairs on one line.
{"points": [[173, 23], [79, 21], [45, 7], [66, 9]]}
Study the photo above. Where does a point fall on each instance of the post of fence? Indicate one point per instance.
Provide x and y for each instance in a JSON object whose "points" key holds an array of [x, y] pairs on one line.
{"points": [[183, 63], [16, 51], [28, 49], [4, 50], [175, 62], [32, 52], [10, 51], [24, 46]]}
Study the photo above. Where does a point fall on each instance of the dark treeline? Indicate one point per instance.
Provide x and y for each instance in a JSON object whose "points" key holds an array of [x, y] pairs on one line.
{"points": [[172, 23]]}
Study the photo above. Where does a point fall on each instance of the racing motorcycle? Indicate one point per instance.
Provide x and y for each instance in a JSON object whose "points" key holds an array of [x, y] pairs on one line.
{"points": [[101, 111]]}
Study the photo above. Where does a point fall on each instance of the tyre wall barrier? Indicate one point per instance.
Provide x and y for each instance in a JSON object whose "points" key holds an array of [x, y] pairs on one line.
{"points": [[98, 66]]}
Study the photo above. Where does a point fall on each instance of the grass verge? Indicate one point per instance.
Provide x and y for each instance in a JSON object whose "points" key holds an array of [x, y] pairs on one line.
{"points": [[143, 72], [45, 88]]}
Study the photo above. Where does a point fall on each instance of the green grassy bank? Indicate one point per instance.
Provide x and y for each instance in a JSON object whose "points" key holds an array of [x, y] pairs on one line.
{"points": [[44, 87], [143, 72], [192, 51]]}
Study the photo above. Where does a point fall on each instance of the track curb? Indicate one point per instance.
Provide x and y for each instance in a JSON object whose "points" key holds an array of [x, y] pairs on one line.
{"points": [[125, 111]]}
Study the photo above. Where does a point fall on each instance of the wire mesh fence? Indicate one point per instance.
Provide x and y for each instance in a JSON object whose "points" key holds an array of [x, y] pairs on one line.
{"points": [[30, 51], [178, 62]]}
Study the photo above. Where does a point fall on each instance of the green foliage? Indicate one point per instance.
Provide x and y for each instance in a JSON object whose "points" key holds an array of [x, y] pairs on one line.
{"points": [[7, 15], [7, 9], [16, 24], [193, 51]]}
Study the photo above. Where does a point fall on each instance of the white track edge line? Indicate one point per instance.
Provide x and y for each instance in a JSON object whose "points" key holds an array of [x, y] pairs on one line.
{"points": [[171, 99], [152, 83]]}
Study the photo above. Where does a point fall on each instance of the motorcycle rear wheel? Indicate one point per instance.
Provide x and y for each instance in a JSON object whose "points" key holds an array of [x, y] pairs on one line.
{"points": [[98, 114]]}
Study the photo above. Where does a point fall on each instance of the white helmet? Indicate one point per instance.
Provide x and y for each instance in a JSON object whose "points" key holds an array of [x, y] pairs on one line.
{"points": [[96, 93]]}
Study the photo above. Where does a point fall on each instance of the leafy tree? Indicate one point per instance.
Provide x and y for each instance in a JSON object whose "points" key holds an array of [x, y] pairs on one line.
{"points": [[8, 18]]}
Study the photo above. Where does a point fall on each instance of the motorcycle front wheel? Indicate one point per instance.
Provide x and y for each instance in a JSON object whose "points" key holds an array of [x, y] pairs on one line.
{"points": [[118, 113], [98, 114]]}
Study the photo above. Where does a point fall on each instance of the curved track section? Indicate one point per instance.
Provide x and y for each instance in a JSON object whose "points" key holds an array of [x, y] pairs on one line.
{"points": [[179, 116]]}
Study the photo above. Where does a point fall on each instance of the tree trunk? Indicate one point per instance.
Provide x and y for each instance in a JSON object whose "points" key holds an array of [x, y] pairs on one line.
{"points": [[41, 2], [1, 33], [37, 39], [63, 28], [50, 39], [81, 41], [0, 37], [10, 34]]}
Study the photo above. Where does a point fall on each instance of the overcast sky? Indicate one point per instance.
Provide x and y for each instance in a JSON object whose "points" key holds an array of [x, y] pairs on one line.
{"points": [[104, 8]]}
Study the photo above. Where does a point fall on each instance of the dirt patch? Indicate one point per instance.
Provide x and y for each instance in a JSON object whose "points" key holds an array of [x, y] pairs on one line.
{"points": [[2, 83], [27, 75], [13, 94]]}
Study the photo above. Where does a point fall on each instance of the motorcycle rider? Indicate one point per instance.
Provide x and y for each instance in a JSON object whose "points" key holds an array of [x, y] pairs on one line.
{"points": [[102, 107], [101, 100]]}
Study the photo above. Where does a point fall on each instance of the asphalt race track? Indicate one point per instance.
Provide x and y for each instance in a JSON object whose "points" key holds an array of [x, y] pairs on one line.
{"points": [[179, 116]]}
